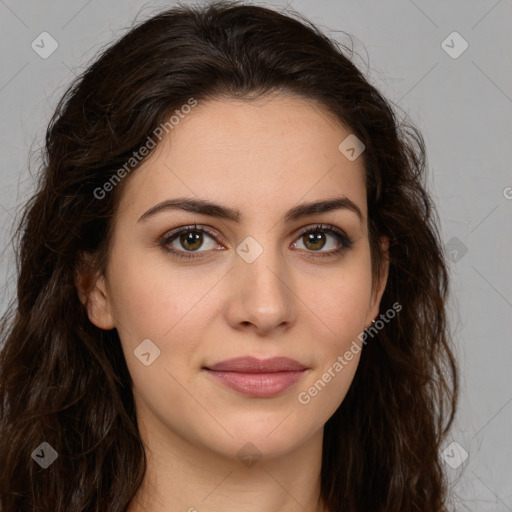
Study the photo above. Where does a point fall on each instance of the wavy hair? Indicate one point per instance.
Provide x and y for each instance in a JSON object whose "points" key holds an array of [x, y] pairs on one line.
{"points": [[65, 381]]}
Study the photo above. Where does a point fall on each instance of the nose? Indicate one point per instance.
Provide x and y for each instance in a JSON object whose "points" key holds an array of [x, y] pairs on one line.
{"points": [[261, 296]]}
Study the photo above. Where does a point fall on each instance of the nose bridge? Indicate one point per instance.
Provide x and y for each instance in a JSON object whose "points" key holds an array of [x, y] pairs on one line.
{"points": [[262, 282]]}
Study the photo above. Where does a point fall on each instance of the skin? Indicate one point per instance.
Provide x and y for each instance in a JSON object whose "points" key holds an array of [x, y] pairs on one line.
{"points": [[262, 156]]}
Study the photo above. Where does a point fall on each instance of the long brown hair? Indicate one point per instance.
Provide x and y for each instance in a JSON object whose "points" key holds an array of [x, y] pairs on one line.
{"points": [[65, 382]]}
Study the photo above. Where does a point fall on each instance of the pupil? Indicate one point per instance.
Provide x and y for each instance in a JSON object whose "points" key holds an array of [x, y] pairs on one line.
{"points": [[190, 238], [315, 238]]}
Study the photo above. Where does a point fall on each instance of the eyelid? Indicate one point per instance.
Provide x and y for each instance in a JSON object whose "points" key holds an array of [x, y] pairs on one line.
{"points": [[322, 227], [192, 227]]}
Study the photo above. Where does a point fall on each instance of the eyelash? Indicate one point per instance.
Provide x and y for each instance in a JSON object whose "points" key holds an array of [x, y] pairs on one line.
{"points": [[346, 242]]}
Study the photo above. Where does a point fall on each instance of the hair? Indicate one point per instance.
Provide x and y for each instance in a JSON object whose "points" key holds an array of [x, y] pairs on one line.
{"points": [[65, 381]]}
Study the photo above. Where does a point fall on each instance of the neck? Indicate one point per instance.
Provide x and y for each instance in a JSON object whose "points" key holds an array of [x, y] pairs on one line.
{"points": [[184, 477]]}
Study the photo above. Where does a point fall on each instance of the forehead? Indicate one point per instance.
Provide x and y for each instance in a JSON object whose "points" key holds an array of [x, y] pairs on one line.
{"points": [[260, 156]]}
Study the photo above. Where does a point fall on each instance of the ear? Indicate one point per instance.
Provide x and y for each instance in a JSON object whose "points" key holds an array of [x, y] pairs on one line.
{"points": [[93, 293], [380, 285]]}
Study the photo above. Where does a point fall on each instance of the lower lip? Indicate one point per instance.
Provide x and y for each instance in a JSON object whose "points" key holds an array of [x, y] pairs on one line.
{"points": [[261, 385]]}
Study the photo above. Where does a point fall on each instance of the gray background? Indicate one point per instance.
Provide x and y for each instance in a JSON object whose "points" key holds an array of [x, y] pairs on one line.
{"points": [[463, 107]]}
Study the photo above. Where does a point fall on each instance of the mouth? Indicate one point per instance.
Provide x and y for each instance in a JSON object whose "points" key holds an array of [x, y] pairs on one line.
{"points": [[259, 378]]}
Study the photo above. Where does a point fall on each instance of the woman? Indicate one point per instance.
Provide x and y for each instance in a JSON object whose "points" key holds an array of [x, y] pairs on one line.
{"points": [[231, 290]]}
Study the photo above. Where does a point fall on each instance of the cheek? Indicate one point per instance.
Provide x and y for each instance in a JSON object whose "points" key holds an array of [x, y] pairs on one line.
{"points": [[342, 299], [341, 303], [168, 305], [150, 300], [149, 297]]}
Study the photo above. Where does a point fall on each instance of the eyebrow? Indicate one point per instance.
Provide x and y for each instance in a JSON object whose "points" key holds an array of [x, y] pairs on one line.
{"points": [[223, 212]]}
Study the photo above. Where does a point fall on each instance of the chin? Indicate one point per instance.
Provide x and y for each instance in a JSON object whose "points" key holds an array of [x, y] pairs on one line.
{"points": [[267, 438]]}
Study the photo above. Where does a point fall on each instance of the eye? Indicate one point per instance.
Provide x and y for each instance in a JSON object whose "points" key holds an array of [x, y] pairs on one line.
{"points": [[316, 238], [187, 240]]}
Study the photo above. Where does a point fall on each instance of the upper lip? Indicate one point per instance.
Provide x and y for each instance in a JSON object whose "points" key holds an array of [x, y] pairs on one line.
{"points": [[249, 364]]}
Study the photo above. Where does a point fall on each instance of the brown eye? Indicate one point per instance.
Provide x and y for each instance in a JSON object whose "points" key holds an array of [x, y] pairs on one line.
{"points": [[314, 241], [191, 241], [320, 237], [185, 241]]}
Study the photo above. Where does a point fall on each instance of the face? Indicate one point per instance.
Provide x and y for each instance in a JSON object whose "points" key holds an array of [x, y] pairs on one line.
{"points": [[266, 279]]}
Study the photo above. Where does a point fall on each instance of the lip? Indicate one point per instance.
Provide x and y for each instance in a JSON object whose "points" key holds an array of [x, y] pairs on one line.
{"points": [[262, 378]]}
